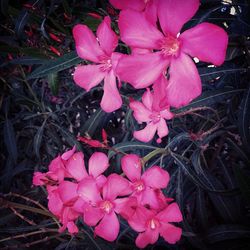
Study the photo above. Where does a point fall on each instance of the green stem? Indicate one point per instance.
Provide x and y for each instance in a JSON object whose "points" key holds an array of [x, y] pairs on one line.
{"points": [[153, 153]]}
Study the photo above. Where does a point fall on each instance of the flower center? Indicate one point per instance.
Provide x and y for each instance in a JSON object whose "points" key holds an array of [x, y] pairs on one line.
{"points": [[107, 206], [106, 63], [153, 223], [139, 186], [155, 117], [170, 46]]}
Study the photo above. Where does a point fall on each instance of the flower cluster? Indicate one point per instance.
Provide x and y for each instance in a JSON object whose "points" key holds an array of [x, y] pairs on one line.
{"points": [[74, 191], [161, 57]]}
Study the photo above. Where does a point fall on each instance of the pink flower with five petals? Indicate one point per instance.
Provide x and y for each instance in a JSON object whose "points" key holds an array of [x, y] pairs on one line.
{"points": [[100, 51], [144, 185], [206, 41]]}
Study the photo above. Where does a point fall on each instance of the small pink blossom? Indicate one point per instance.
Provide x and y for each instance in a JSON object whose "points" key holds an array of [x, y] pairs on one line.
{"points": [[144, 185], [100, 51], [151, 112], [151, 224], [169, 49]]}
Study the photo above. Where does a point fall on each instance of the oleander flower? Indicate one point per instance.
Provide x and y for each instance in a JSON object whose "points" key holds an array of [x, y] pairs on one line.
{"points": [[151, 111], [169, 49], [144, 185], [151, 224], [100, 51]]}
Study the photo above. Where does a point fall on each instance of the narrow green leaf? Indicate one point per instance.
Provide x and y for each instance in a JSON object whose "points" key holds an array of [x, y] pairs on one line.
{"points": [[10, 139], [57, 65], [21, 22], [38, 139], [53, 83], [128, 146]]}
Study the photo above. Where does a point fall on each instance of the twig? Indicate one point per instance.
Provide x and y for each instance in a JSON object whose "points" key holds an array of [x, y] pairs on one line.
{"points": [[22, 217]]}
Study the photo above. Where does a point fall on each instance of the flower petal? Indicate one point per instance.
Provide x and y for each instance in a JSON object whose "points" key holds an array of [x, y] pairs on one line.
{"points": [[115, 186], [98, 163], [174, 14], [55, 204], [111, 99], [155, 177], [109, 227], [39, 178], [141, 70], [170, 233], [137, 31], [146, 134], [79, 205], [147, 237], [171, 213], [107, 38], [162, 128], [138, 5], [147, 99], [88, 76], [87, 46], [72, 228], [150, 12], [126, 206], [185, 83], [140, 112], [148, 197], [67, 192], [76, 167], [206, 41], [131, 166], [88, 190], [92, 215], [65, 156]]}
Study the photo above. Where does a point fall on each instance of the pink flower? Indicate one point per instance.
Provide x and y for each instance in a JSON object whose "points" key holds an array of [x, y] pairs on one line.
{"points": [[103, 205], [100, 51], [151, 224], [144, 185], [151, 112], [206, 41]]}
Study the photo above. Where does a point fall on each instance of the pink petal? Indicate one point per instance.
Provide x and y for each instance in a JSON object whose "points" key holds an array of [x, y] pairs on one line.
{"points": [[76, 167], [206, 41], [147, 99], [98, 163], [151, 12], [162, 128], [67, 191], [139, 219], [148, 237], [170, 233], [107, 38], [88, 190], [79, 205], [115, 186], [141, 70], [131, 166], [87, 46], [156, 177], [138, 5], [174, 14], [160, 101], [109, 227], [88, 76], [100, 181], [72, 228], [185, 83], [111, 99], [65, 156], [56, 164], [166, 114], [39, 178], [137, 31], [126, 207], [149, 197], [171, 213], [140, 112], [135, 51], [146, 134], [55, 204], [92, 215]]}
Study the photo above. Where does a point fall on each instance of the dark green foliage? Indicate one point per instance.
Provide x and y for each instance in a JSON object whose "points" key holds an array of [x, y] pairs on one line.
{"points": [[43, 112]]}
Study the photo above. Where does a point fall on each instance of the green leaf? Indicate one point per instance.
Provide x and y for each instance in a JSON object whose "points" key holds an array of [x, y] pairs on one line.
{"points": [[57, 65], [94, 121], [244, 119], [38, 139], [209, 97], [10, 139], [53, 83], [128, 146]]}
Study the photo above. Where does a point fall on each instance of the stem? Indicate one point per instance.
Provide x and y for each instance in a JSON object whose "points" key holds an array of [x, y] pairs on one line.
{"points": [[153, 153]]}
